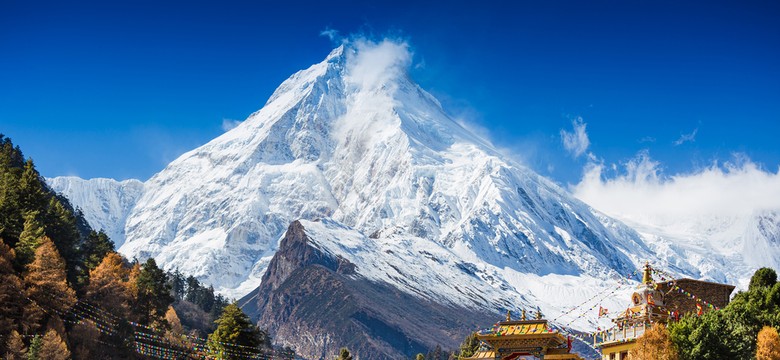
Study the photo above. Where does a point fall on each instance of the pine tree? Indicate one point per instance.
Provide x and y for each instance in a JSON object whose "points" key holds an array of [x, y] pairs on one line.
{"points": [[655, 344], [108, 285], [233, 327], [60, 225], [15, 349], [53, 347], [153, 293], [29, 239], [45, 279], [469, 346], [31, 186], [768, 345], [344, 354], [95, 247], [11, 290]]}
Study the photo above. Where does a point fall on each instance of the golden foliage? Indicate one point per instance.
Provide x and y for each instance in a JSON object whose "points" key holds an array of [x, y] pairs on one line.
{"points": [[46, 281], [108, 285], [11, 300], [53, 347], [655, 344], [15, 348], [768, 345]]}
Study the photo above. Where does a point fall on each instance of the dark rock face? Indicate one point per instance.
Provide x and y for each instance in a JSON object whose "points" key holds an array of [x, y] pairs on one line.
{"points": [[317, 304]]}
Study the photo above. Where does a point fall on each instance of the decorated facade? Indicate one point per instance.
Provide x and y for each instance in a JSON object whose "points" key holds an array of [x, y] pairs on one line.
{"points": [[515, 339]]}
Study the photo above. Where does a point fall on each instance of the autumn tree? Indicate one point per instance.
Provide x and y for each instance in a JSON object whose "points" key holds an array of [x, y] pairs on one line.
{"points": [[233, 327], [53, 347], [15, 349], [655, 344], [46, 283], [11, 300], [768, 345], [108, 285]]}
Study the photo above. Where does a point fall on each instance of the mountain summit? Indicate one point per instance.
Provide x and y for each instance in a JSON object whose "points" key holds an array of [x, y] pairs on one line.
{"points": [[352, 206], [355, 141]]}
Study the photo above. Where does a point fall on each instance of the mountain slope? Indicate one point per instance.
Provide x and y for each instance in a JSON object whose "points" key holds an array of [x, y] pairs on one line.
{"points": [[353, 139], [105, 203], [315, 300]]}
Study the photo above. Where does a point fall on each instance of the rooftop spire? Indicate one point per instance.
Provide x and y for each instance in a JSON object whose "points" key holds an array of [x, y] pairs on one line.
{"points": [[647, 278]]}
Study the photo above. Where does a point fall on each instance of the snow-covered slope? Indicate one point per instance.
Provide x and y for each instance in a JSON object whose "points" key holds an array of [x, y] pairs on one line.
{"points": [[722, 249], [104, 202], [354, 140]]}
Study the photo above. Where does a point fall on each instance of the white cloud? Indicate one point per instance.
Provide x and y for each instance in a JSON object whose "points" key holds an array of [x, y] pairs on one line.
{"points": [[684, 138], [230, 124], [576, 142], [641, 191], [331, 34], [375, 64]]}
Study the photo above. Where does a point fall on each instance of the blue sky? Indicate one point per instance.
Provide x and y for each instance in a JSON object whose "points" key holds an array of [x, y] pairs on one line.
{"points": [[119, 89]]}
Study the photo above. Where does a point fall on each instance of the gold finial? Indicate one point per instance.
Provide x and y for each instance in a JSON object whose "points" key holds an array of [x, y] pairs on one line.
{"points": [[508, 316], [538, 314], [647, 278], [523, 316]]}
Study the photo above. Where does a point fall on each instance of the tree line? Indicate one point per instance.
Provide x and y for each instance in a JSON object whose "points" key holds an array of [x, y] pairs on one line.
{"points": [[66, 293]]}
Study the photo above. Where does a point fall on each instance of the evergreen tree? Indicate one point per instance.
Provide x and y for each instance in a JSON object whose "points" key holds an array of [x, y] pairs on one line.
{"points": [[153, 293], [655, 344], [60, 225], [731, 332], [31, 187], [11, 220], [95, 247], [29, 239], [344, 354], [15, 349], [469, 346], [768, 344], [233, 327], [35, 348], [108, 285], [45, 279], [763, 277], [53, 347], [11, 300], [178, 285], [436, 354]]}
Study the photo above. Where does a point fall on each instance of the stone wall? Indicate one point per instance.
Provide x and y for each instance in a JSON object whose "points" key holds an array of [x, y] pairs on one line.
{"points": [[714, 293]]}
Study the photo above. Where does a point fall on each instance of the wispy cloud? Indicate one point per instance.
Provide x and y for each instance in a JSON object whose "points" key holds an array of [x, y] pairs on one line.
{"points": [[646, 139], [684, 138], [374, 64], [639, 189], [576, 142], [332, 34], [230, 124]]}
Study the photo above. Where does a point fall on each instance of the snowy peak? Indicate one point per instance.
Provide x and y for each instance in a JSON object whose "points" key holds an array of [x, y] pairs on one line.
{"points": [[355, 140], [104, 202]]}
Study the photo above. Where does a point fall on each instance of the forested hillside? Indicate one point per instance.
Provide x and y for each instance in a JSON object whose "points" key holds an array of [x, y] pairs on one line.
{"points": [[66, 293]]}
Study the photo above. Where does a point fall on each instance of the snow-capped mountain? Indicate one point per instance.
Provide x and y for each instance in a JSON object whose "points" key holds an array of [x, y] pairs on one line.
{"points": [[354, 140], [381, 176], [104, 202]]}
